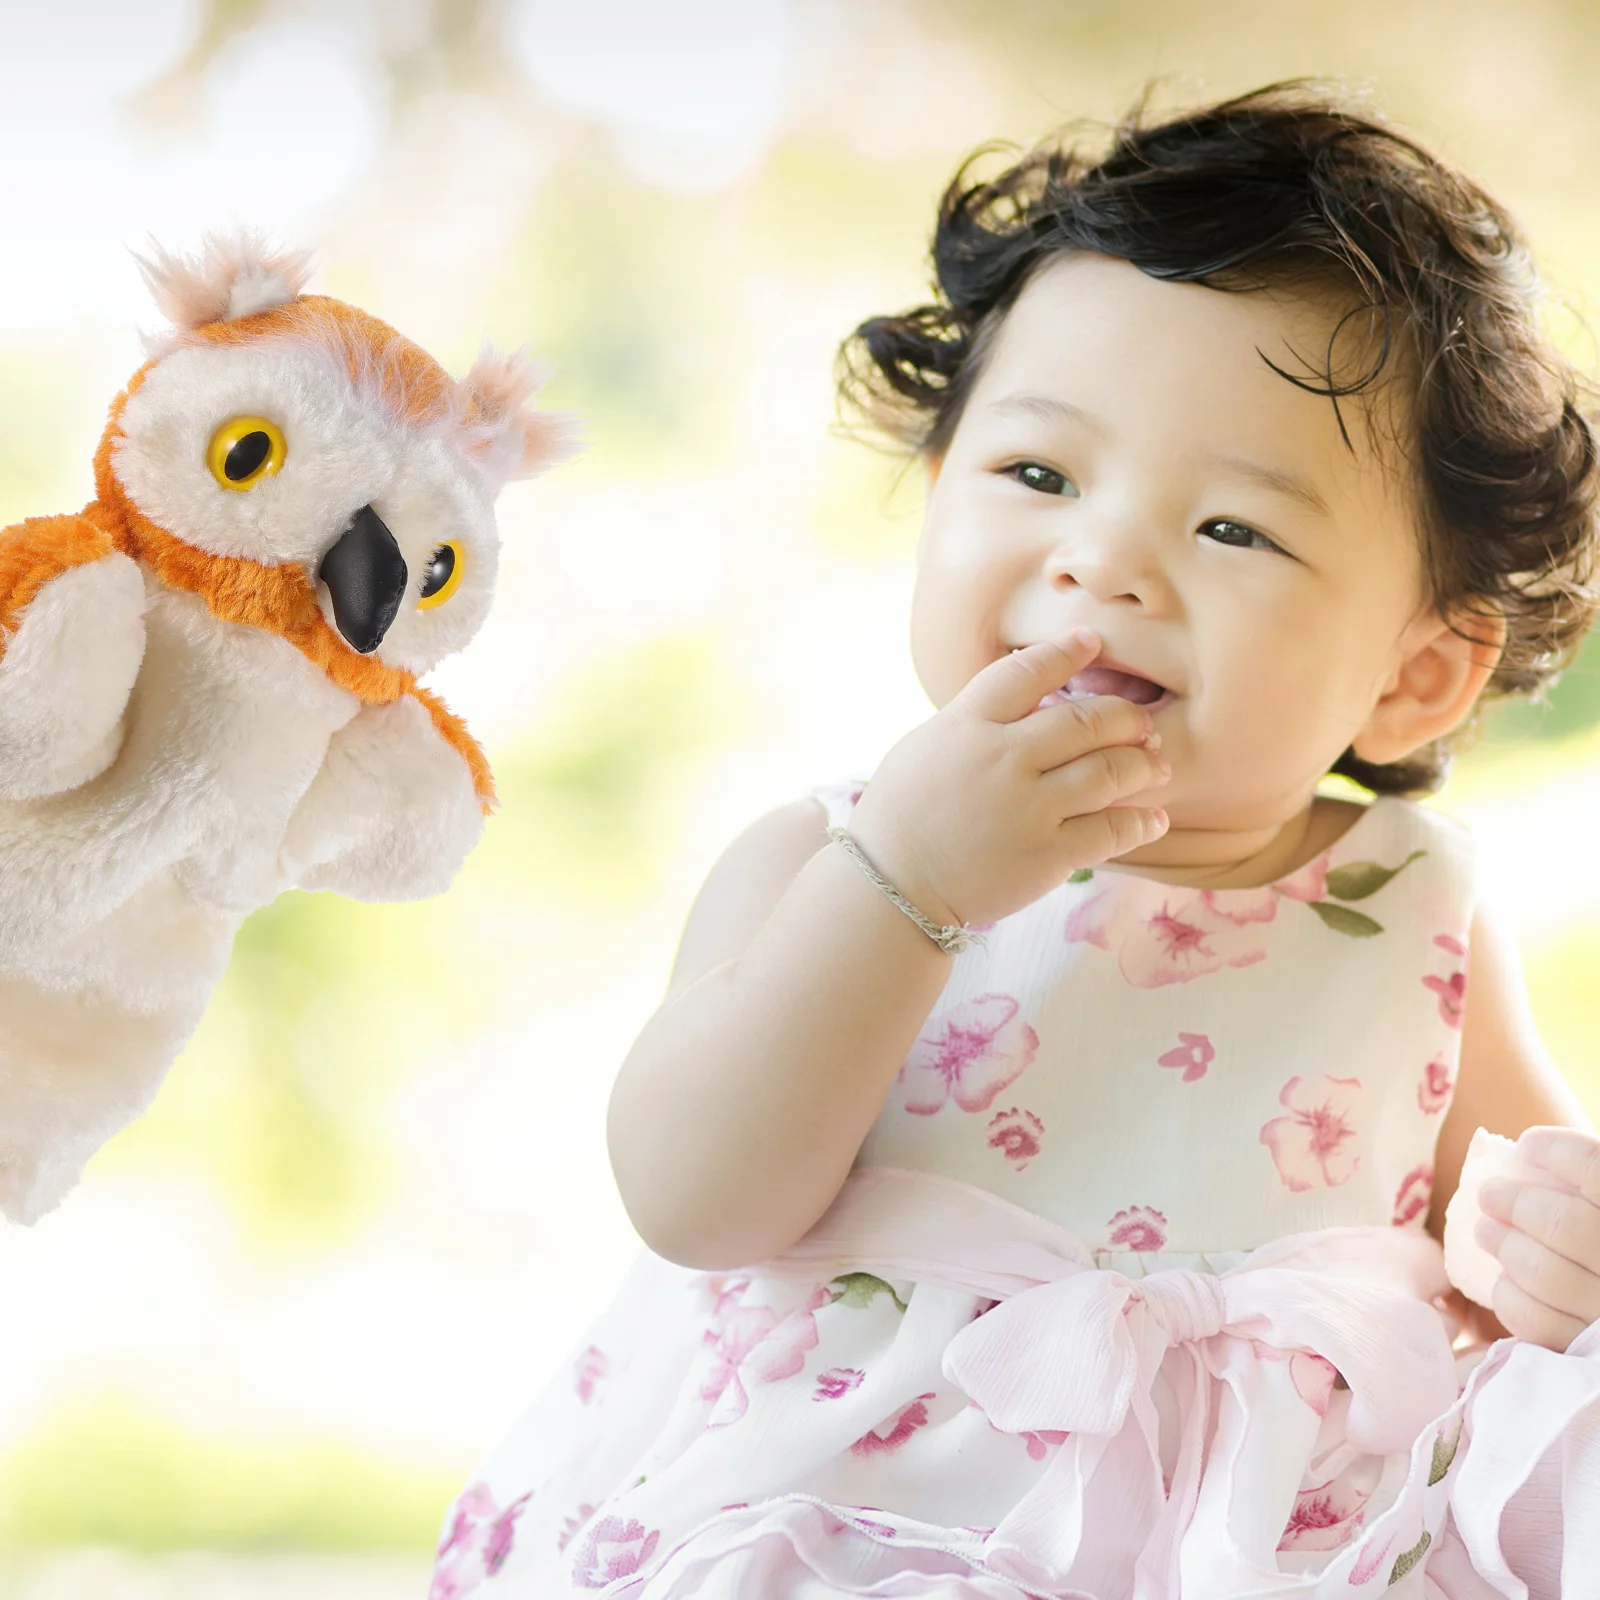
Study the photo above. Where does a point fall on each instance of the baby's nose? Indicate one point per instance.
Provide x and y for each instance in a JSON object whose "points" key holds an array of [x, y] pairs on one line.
{"points": [[1112, 568]]}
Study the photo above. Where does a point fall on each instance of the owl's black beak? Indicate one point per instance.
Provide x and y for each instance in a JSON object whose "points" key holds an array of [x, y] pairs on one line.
{"points": [[366, 578]]}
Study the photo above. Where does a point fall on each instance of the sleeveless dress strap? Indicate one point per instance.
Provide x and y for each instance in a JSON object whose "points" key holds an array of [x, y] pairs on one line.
{"points": [[839, 799]]}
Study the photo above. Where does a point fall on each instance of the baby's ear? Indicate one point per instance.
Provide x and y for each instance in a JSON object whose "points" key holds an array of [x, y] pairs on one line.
{"points": [[1443, 667], [512, 439]]}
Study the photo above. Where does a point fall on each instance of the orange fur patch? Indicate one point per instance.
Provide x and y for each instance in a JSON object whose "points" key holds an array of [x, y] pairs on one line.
{"points": [[34, 552], [454, 732], [413, 385], [281, 600]]}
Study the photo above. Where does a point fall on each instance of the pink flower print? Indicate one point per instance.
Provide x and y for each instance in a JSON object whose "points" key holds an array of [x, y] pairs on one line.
{"points": [[743, 1330], [1016, 1135], [888, 1436], [1189, 934], [502, 1531], [1433, 1093], [1324, 1518], [478, 1528], [1366, 1567], [868, 1525], [1310, 883], [1313, 1377], [588, 1371], [757, 1346], [1039, 1444], [573, 1525], [969, 1054], [617, 1547], [1452, 988], [1452, 993], [474, 1504], [1194, 1053], [1318, 1143], [1412, 1197], [837, 1381], [1240, 906], [782, 1353], [1137, 1228]]}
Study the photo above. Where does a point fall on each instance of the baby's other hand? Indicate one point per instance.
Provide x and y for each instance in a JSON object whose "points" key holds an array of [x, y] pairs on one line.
{"points": [[1547, 1238]]}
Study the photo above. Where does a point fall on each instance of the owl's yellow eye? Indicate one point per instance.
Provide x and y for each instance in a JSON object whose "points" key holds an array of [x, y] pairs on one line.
{"points": [[244, 451], [442, 575]]}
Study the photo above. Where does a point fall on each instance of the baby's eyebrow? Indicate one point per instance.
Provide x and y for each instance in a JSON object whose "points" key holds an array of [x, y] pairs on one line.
{"points": [[1275, 478], [1048, 408]]}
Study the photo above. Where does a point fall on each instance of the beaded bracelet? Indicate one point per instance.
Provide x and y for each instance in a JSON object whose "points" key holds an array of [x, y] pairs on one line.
{"points": [[951, 939]]}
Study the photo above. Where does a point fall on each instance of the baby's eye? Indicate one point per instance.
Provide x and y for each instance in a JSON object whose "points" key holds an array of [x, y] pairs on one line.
{"points": [[1237, 534], [1043, 480]]}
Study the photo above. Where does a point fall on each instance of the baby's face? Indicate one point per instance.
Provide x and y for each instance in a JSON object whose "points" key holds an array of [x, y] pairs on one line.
{"points": [[1128, 462]]}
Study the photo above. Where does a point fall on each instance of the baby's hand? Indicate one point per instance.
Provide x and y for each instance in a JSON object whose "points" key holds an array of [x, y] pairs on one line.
{"points": [[1547, 1238], [996, 799]]}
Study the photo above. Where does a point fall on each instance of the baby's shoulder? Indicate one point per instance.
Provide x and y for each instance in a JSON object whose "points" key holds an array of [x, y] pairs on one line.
{"points": [[743, 886], [1412, 852], [1390, 822]]}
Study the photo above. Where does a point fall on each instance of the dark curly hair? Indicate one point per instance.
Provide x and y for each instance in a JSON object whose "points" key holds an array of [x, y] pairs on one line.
{"points": [[1290, 186]]}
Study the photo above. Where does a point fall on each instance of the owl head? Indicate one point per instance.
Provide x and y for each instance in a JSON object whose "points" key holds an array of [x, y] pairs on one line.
{"points": [[278, 430]]}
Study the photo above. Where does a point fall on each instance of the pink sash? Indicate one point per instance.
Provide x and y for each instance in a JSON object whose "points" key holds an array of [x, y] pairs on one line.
{"points": [[1077, 1350]]}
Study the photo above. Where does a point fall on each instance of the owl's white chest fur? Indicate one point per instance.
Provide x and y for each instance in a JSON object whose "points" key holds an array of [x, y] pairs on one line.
{"points": [[119, 899], [223, 733]]}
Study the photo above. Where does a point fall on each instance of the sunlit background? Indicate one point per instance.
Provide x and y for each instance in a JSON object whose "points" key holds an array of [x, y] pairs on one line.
{"points": [[256, 1351]]}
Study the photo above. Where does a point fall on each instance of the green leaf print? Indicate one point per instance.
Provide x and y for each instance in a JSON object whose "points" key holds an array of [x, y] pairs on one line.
{"points": [[860, 1289], [1356, 924], [1082, 875], [1407, 1559], [1444, 1452], [1355, 880]]}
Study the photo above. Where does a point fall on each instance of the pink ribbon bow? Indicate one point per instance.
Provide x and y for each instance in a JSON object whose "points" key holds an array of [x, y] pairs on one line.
{"points": [[1082, 1351]]}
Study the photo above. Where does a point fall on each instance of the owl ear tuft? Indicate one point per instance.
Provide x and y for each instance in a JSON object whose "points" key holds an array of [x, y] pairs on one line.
{"points": [[232, 276], [513, 439]]}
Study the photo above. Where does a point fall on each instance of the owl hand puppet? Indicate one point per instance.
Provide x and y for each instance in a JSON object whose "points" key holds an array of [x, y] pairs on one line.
{"points": [[208, 676]]}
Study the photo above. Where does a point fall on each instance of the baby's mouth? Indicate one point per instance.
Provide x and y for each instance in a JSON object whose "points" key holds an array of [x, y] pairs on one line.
{"points": [[1110, 681]]}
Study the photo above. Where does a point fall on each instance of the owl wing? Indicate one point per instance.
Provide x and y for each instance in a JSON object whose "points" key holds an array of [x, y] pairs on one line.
{"points": [[72, 638], [392, 812]]}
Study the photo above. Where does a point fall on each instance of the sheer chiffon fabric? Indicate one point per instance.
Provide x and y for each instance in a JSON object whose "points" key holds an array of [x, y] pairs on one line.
{"points": [[1143, 1435]]}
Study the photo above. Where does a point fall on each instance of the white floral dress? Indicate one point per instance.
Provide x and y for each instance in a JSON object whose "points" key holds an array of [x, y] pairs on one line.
{"points": [[1128, 1297]]}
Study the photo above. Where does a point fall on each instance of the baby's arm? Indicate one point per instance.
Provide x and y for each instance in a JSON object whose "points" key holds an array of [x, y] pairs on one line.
{"points": [[797, 993], [800, 989], [1548, 1242]]}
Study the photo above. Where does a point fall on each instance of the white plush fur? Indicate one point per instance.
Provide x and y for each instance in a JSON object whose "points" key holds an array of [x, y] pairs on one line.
{"points": [[174, 771], [234, 275], [391, 813], [508, 437], [162, 772], [242, 769], [345, 449], [63, 685]]}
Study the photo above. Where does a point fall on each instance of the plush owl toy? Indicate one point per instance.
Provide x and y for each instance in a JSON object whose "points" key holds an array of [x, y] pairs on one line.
{"points": [[208, 676]]}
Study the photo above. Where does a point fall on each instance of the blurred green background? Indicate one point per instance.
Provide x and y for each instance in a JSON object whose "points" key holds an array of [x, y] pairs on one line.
{"points": [[259, 1348]]}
